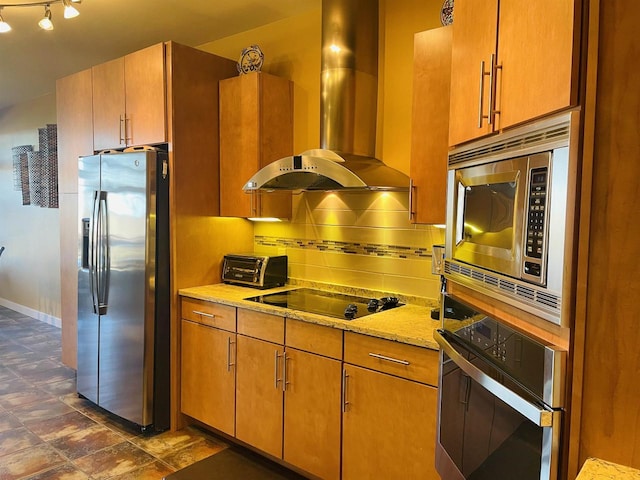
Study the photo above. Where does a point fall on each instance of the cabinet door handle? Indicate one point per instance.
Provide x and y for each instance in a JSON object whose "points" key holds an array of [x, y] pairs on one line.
{"points": [[481, 96], [492, 90], [229, 364], [204, 314], [123, 128], [128, 139], [411, 187], [285, 382], [345, 382], [276, 379], [389, 359]]}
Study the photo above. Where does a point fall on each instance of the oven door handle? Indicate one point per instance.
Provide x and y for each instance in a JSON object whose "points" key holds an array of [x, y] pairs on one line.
{"points": [[541, 417]]}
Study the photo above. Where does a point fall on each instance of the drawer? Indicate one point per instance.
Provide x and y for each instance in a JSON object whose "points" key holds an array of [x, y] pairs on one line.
{"points": [[314, 338], [261, 325], [209, 313], [400, 359]]}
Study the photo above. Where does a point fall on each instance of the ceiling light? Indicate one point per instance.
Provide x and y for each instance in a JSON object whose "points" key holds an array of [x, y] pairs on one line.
{"points": [[45, 23], [69, 10], [4, 26]]}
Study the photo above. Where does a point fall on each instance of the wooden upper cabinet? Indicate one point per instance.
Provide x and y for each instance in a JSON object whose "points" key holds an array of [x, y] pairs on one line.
{"points": [[430, 125], [256, 128], [129, 104], [530, 56]]}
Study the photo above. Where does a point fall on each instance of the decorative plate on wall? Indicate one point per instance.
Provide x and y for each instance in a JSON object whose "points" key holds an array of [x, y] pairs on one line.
{"points": [[446, 12]]}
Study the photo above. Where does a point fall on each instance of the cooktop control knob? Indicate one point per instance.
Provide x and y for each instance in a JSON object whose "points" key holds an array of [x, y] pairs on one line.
{"points": [[373, 304], [350, 311], [389, 302]]}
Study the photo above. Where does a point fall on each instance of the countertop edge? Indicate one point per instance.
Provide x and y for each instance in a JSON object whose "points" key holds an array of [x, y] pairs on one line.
{"points": [[409, 324]]}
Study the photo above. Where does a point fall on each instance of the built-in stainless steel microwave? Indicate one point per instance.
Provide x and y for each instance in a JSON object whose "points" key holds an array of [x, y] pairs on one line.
{"points": [[510, 215]]}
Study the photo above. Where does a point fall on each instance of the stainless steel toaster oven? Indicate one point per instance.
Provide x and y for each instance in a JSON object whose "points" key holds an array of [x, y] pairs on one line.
{"points": [[253, 270]]}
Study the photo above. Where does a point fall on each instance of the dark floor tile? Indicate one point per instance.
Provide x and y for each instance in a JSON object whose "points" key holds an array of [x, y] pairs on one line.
{"points": [[168, 442], [16, 439], [61, 388], [154, 471], [29, 461], [56, 374], [23, 397], [187, 456], [8, 421], [40, 365], [14, 385], [87, 441], [33, 412], [60, 426], [66, 472], [112, 461]]}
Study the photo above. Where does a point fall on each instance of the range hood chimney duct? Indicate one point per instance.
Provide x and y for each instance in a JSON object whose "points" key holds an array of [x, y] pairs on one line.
{"points": [[348, 109]]}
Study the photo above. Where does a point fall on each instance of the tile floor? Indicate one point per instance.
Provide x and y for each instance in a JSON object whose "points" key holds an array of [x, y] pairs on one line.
{"points": [[48, 433]]}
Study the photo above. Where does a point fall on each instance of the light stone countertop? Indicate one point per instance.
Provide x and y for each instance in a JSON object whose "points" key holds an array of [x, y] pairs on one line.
{"points": [[594, 468], [410, 323]]}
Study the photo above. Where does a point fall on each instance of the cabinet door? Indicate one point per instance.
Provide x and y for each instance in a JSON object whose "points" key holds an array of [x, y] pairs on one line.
{"points": [[208, 375], [539, 62], [256, 128], [388, 427], [474, 40], [312, 413], [144, 81], [430, 125], [259, 394], [108, 104]]}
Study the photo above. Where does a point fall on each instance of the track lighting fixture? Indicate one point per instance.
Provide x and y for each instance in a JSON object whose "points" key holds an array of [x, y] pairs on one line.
{"points": [[45, 22], [4, 26]]}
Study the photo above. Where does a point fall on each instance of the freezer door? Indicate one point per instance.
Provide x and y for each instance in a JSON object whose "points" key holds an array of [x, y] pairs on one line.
{"points": [[88, 320], [127, 321]]}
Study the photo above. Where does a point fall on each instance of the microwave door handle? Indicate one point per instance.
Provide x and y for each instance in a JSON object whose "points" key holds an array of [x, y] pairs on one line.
{"points": [[541, 417]]}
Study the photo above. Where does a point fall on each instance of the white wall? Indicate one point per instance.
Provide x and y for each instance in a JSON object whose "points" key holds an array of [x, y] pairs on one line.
{"points": [[30, 264]]}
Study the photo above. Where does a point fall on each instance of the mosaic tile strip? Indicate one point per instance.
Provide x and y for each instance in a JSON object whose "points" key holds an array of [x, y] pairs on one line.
{"points": [[378, 250]]}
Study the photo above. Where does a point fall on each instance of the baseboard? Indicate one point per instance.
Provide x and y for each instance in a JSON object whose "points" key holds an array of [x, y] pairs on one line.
{"points": [[43, 317]]}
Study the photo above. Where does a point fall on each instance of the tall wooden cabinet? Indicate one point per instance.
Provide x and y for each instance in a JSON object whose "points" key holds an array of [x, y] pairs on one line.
{"points": [[129, 103], [513, 60], [430, 125], [75, 138], [256, 128]]}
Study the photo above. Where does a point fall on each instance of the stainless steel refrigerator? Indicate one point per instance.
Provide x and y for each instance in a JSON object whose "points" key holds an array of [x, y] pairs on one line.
{"points": [[123, 285]]}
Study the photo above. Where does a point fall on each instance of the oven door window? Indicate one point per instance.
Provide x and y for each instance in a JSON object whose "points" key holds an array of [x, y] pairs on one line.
{"points": [[483, 436]]}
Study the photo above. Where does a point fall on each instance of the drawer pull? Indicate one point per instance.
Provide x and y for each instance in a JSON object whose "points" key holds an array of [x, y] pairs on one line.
{"points": [[204, 314], [388, 359]]}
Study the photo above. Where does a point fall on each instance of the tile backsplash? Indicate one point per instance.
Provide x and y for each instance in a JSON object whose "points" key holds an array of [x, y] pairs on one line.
{"points": [[362, 240]]}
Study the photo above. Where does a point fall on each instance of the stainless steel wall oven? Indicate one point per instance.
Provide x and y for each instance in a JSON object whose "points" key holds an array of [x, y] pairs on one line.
{"points": [[501, 399]]}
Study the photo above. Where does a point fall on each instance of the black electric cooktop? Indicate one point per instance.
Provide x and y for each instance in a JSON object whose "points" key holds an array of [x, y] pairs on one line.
{"points": [[336, 305]]}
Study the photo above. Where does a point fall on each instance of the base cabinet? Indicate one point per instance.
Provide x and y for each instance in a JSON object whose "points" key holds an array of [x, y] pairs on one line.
{"points": [[388, 427], [208, 375], [259, 394], [332, 404]]}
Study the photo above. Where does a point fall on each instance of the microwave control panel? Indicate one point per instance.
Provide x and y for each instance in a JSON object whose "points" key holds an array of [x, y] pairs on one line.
{"points": [[535, 239]]}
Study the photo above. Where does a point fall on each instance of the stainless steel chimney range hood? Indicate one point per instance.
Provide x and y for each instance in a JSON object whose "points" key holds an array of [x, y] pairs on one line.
{"points": [[348, 107]]}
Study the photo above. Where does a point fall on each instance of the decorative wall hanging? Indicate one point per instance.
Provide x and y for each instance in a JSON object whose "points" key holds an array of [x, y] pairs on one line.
{"points": [[35, 172]]}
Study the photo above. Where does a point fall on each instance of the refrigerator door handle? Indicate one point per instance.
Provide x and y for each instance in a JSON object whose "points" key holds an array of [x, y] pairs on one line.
{"points": [[103, 255], [93, 252]]}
